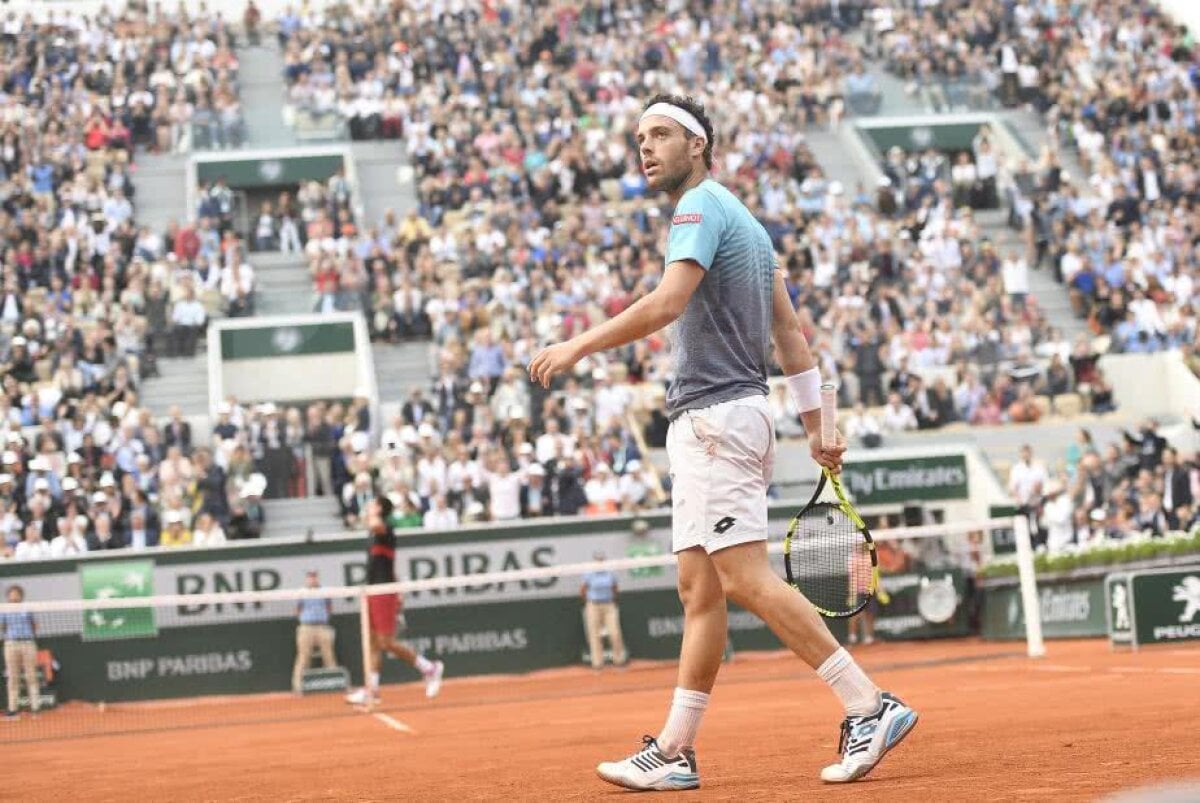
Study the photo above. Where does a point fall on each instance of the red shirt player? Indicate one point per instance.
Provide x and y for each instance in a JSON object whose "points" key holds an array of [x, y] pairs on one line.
{"points": [[382, 609]]}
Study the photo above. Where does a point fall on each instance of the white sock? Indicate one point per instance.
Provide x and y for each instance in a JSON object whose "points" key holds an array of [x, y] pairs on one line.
{"points": [[683, 721], [373, 681], [423, 664], [858, 694]]}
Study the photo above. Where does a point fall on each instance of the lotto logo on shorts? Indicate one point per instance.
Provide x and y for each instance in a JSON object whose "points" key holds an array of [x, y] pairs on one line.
{"points": [[690, 217], [723, 525]]}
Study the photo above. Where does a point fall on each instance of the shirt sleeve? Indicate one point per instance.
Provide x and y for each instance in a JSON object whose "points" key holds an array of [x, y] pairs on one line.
{"points": [[696, 229]]}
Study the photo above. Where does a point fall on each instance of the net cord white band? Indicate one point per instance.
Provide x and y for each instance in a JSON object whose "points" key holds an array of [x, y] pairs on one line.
{"points": [[681, 116], [434, 583]]}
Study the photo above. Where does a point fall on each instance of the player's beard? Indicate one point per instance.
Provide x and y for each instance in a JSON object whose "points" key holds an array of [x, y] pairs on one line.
{"points": [[670, 182]]}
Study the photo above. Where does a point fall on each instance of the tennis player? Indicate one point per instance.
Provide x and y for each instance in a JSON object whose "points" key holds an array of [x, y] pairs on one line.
{"points": [[382, 609], [722, 288]]}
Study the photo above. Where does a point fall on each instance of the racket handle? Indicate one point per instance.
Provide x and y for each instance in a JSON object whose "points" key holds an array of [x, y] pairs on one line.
{"points": [[828, 416]]}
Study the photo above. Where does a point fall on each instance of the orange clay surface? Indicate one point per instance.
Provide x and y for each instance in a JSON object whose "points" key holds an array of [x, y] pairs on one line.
{"points": [[994, 725]]}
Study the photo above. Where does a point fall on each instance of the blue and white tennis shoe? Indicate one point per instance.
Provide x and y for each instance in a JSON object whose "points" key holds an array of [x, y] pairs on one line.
{"points": [[865, 740], [649, 769]]}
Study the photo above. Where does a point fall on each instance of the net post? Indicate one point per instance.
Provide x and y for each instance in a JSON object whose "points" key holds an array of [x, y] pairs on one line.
{"points": [[364, 632], [1035, 645]]}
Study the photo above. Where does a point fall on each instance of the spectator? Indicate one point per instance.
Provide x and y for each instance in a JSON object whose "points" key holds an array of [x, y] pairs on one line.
{"points": [[439, 516], [314, 631], [897, 415], [20, 655], [602, 616]]}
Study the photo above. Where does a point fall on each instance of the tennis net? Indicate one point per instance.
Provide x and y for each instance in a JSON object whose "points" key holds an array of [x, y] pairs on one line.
{"points": [[123, 660]]}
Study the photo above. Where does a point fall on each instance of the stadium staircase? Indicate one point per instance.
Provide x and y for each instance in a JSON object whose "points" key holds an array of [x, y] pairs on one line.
{"points": [[160, 189], [261, 77], [295, 518], [283, 284]]}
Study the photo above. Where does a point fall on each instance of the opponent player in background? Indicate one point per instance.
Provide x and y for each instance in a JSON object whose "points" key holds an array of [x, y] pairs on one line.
{"points": [[383, 609], [721, 284]]}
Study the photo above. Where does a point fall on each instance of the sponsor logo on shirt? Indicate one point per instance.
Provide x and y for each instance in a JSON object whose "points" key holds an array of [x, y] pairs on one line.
{"points": [[690, 217]]}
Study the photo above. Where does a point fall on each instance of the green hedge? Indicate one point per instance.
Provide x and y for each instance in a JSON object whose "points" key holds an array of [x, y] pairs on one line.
{"points": [[1113, 554]]}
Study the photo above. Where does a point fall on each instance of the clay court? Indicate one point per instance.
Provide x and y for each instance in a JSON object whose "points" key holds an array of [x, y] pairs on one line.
{"points": [[994, 725]]}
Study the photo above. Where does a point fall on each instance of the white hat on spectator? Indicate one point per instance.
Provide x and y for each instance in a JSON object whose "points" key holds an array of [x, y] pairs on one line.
{"points": [[267, 408], [1098, 514], [41, 484], [536, 470], [173, 517], [836, 188], [19, 341], [99, 498], [603, 468], [525, 448], [884, 181], [69, 484], [256, 483], [599, 374], [15, 437], [73, 458], [476, 387], [39, 463], [633, 466], [579, 403], [426, 431], [515, 413], [475, 510], [107, 481], [653, 212], [119, 409], [360, 441], [224, 408], [9, 457]]}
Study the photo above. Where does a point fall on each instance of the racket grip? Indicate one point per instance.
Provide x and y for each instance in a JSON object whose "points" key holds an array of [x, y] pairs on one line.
{"points": [[828, 415]]}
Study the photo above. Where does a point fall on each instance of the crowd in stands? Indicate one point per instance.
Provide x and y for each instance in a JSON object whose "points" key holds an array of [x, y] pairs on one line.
{"points": [[1137, 487], [533, 222], [1119, 85], [89, 298]]}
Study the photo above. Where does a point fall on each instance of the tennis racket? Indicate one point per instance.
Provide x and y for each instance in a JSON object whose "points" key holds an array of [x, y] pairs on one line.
{"points": [[828, 552]]}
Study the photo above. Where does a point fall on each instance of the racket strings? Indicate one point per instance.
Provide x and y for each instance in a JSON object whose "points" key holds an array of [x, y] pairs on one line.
{"points": [[830, 559]]}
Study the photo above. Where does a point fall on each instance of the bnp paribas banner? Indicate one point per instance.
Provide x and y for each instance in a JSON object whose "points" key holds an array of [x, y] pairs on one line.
{"points": [[188, 650]]}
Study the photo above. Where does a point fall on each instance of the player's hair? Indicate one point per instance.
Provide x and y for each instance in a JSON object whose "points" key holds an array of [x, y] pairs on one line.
{"points": [[696, 109], [386, 506]]}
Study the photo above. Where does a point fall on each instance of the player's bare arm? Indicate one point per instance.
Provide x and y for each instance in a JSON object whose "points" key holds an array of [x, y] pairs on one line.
{"points": [[646, 316], [796, 358]]}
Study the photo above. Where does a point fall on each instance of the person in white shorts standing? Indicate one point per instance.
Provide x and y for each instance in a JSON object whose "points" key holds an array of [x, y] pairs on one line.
{"points": [[722, 289]]}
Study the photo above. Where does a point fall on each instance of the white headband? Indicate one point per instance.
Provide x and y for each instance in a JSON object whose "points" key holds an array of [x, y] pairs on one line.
{"points": [[681, 116]]}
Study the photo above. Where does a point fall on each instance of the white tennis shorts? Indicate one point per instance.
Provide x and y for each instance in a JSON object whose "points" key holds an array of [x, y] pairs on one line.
{"points": [[721, 462]]}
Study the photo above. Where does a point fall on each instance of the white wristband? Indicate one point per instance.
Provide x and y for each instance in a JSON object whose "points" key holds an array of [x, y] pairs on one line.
{"points": [[805, 388]]}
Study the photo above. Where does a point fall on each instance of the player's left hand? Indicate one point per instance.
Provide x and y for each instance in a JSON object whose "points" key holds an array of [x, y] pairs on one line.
{"points": [[554, 360], [830, 458]]}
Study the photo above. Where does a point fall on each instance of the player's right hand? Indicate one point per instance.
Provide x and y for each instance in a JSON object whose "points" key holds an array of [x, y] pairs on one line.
{"points": [[829, 458]]}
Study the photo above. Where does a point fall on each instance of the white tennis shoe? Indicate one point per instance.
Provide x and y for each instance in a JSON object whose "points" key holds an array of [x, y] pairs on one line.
{"points": [[867, 739], [362, 697], [649, 769], [433, 679]]}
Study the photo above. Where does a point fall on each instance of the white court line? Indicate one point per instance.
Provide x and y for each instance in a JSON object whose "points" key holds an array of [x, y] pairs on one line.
{"points": [[394, 723], [1059, 668]]}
